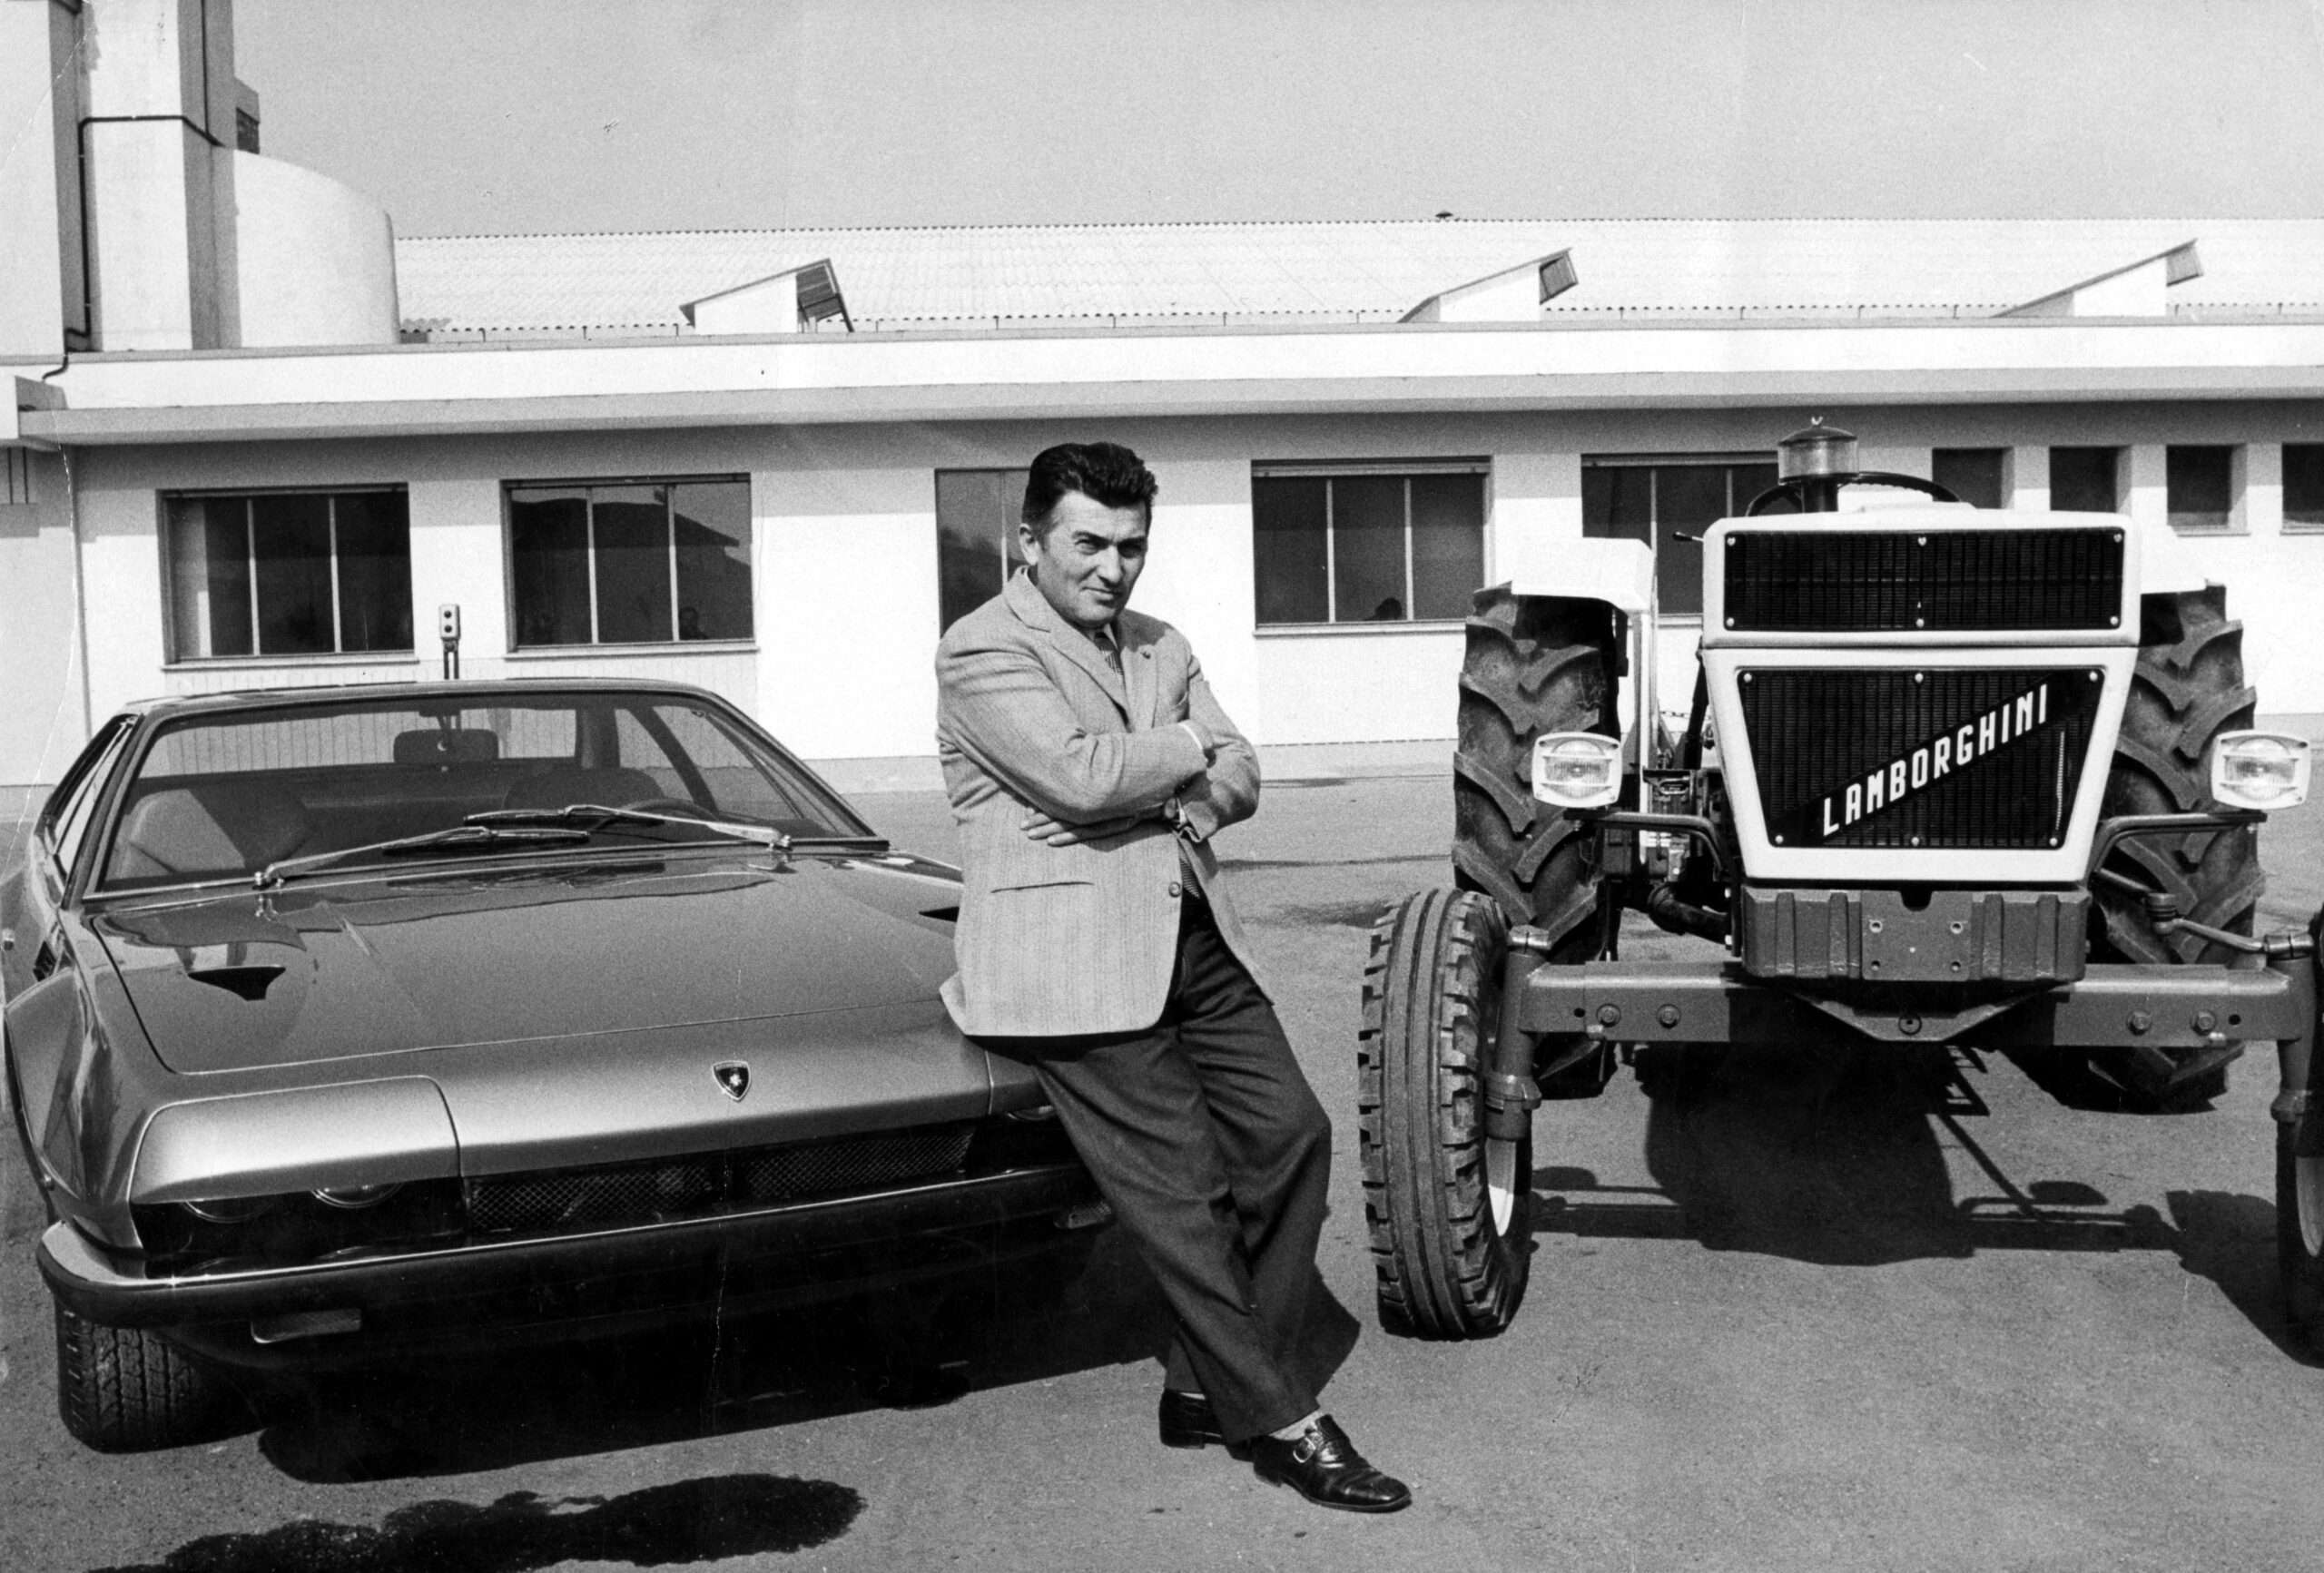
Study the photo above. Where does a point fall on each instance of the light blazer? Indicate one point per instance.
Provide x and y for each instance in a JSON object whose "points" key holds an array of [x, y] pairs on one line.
{"points": [[1056, 940]]}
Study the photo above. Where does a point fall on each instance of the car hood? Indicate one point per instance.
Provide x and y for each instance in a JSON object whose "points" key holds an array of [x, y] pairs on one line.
{"points": [[443, 959]]}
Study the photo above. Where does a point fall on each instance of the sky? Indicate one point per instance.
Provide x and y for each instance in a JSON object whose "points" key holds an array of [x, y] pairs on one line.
{"points": [[562, 115]]}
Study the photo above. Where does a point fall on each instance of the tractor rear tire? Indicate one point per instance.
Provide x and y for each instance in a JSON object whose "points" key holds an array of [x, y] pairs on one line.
{"points": [[1534, 665], [123, 1390], [1450, 1209], [2299, 1234], [2187, 689]]}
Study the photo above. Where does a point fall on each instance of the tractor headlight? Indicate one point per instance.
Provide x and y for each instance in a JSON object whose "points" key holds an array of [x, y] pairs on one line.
{"points": [[2260, 769], [1577, 770]]}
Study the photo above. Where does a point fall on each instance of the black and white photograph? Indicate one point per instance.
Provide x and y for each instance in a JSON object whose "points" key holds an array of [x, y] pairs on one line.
{"points": [[1680, 932]]}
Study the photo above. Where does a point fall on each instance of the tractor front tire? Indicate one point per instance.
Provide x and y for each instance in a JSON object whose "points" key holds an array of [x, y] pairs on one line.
{"points": [[1534, 665], [1450, 1209], [2187, 689], [2300, 1232], [121, 1390]]}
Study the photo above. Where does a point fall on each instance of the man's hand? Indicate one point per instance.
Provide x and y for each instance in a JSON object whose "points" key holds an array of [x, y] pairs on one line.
{"points": [[1056, 832]]}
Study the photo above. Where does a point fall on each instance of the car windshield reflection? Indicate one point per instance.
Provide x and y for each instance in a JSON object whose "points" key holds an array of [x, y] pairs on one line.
{"points": [[235, 794]]}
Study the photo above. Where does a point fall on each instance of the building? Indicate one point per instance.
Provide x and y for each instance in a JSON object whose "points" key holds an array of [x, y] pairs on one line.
{"points": [[256, 440]]}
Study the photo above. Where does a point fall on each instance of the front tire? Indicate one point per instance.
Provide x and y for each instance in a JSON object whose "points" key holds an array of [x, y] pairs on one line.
{"points": [[2187, 689], [123, 1390], [1450, 1208], [2300, 1232]]}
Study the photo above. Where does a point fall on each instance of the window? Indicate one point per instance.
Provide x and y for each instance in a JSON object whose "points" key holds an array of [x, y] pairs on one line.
{"points": [[976, 538], [1667, 504], [2304, 486], [1396, 543], [2082, 480], [630, 562], [279, 573], [2200, 482], [1972, 473], [68, 813]]}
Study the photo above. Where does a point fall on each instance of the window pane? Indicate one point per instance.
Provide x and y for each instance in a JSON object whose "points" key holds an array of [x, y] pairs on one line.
{"points": [[2081, 480], [631, 530], [1287, 548], [976, 538], [290, 548], [2200, 485], [1970, 474], [548, 549], [1750, 481], [2304, 484], [1617, 502], [1688, 499], [1448, 543], [209, 577], [374, 571], [712, 519], [1368, 548]]}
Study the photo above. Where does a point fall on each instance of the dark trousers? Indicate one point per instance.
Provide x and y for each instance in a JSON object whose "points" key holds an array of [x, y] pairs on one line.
{"points": [[1204, 1135]]}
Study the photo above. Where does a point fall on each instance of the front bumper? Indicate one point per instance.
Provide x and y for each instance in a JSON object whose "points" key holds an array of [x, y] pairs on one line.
{"points": [[2162, 1007], [795, 1253]]}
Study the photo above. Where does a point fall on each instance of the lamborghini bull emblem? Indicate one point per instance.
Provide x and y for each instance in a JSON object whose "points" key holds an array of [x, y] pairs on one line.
{"points": [[1900, 778], [734, 1078]]}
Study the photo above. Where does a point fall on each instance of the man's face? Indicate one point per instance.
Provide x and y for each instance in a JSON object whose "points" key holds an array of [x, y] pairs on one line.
{"points": [[1089, 561]]}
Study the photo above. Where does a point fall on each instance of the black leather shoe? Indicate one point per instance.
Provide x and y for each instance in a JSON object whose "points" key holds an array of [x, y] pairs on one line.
{"points": [[1323, 1466], [1187, 1421]]}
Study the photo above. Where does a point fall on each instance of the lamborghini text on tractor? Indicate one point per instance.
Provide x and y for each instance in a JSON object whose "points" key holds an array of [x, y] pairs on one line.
{"points": [[1949, 775]]}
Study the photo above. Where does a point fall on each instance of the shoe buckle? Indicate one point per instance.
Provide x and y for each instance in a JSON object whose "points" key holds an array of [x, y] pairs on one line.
{"points": [[1305, 1450]]}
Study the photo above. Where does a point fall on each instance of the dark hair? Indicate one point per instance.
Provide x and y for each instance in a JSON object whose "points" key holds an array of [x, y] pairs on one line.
{"points": [[1103, 472]]}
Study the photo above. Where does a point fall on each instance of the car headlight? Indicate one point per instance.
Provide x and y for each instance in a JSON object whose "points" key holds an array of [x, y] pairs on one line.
{"points": [[2260, 769], [232, 1209], [350, 1199], [1577, 770]]}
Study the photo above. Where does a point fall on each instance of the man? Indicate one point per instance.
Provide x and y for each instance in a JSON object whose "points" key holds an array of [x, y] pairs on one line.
{"points": [[1088, 766]]}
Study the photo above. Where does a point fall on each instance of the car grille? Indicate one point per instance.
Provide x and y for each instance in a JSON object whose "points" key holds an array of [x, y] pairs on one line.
{"points": [[1830, 748], [612, 1194], [1867, 582]]}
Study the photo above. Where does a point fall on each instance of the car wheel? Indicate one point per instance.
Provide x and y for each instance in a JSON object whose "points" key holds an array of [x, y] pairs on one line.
{"points": [[1533, 665], [2187, 689], [123, 1390], [1450, 1208], [2300, 1230]]}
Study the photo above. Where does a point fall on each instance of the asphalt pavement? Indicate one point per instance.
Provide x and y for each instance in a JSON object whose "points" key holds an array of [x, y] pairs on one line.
{"points": [[1864, 1310]]}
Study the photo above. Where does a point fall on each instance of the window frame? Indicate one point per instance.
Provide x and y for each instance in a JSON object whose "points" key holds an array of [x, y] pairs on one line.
{"points": [[1729, 460], [2231, 520], [1405, 469], [1010, 559], [2291, 525], [166, 535], [676, 641]]}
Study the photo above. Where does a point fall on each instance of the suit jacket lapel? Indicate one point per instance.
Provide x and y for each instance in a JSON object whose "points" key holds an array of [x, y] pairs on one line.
{"points": [[1033, 609]]}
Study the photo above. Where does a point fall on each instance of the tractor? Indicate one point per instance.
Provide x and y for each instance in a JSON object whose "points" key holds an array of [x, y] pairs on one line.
{"points": [[1949, 775]]}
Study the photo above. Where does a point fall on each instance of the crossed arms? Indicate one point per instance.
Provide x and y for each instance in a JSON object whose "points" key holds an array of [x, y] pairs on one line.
{"points": [[1002, 708]]}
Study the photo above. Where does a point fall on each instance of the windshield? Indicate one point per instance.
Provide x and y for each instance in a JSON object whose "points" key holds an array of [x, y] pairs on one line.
{"points": [[225, 794]]}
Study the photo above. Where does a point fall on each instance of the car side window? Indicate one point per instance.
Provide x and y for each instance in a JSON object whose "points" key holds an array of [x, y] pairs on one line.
{"points": [[71, 811]]}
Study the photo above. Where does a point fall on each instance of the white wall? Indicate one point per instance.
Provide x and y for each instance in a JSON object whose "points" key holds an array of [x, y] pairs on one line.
{"points": [[314, 260], [845, 556]]}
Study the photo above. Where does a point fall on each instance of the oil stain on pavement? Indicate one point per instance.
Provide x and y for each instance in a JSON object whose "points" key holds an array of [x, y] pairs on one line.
{"points": [[699, 1520]]}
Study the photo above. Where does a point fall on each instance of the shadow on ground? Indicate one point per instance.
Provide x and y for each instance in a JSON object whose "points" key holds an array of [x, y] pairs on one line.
{"points": [[916, 1347], [1835, 1156], [699, 1520]]}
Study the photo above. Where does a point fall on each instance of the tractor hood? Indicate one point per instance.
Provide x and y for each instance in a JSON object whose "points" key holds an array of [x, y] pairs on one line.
{"points": [[445, 959]]}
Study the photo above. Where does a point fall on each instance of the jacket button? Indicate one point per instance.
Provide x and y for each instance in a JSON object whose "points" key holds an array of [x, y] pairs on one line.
{"points": [[1174, 887]]}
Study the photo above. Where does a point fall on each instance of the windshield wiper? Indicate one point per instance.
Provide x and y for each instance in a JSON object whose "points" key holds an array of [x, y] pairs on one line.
{"points": [[600, 816], [455, 836]]}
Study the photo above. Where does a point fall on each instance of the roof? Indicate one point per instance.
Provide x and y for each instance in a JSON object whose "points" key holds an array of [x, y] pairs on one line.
{"points": [[1131, 275]]}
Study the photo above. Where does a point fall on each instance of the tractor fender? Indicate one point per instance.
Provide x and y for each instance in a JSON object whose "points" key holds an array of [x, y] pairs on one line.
{"points": [[1584, 568]]}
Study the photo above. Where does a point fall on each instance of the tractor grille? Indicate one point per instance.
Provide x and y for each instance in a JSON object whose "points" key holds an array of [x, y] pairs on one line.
{"points": [[1875, 758], [657, 1190], [1869, 581]]}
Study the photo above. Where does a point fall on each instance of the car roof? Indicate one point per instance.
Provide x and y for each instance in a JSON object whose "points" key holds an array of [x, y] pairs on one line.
{"points": [[476, 692]]}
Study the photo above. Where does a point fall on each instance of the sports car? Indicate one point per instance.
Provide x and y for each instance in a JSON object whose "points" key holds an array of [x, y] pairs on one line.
{"points": [[345, 1024]]}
